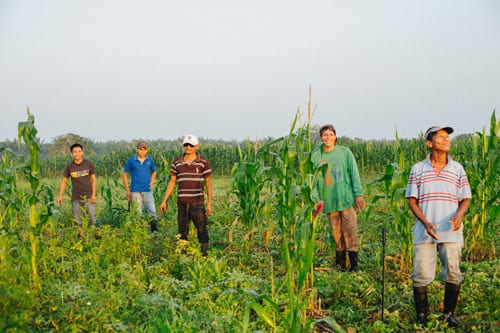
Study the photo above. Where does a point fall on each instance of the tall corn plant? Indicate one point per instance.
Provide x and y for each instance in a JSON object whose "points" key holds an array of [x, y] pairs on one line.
{"points": [[483, 171], [41, 199], [293, 177], [250, 176], [394, 180]]}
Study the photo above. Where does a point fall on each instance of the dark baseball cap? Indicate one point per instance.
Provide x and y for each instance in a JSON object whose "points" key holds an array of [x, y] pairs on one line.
{"points": [[142, 144], [434, 129]]}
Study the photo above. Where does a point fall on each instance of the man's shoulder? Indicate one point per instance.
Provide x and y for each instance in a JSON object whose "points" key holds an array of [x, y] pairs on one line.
{"points": [[420, 164], [203, 158], [178, 160], [343, 149], [455, 163]]}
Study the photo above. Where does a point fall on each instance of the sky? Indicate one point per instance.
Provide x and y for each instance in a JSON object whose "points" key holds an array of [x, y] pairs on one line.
{"points": [[112, 70]]}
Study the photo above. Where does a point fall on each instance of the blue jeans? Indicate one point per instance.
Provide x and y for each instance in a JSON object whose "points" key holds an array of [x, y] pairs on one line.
{"points": [[145, 200], [425, 259], [80, 207]]}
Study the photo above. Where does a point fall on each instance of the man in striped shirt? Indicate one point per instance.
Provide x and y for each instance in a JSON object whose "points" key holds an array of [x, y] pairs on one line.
{"points": [[438, 195], [191, 172]]}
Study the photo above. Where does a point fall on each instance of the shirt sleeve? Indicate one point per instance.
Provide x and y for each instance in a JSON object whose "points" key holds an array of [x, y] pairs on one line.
{"points": [[412, 188], [127, 166], [153, 166], [356, 180]]}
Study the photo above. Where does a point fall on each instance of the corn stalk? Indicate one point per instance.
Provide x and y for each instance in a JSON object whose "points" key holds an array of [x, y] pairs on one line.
{"points": [[292, 181], [483, 171], [37, 217], [394, 180]]}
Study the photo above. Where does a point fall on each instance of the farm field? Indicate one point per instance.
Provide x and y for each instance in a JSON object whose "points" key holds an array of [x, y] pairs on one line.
{"points": [[269, 267]]}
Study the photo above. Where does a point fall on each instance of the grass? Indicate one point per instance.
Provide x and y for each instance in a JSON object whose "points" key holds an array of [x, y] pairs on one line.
{"points": [[131, 280]]}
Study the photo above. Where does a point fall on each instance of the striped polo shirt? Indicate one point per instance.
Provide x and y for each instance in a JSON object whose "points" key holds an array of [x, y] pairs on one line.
{"points": [[190, 178], [438, 196]]}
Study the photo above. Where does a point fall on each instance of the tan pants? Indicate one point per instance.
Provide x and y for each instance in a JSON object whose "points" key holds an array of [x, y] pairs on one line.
{"points": [[345, 229]]}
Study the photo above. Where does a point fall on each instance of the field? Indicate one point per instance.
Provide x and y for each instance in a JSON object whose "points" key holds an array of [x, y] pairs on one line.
{"points": [[270, 259]]}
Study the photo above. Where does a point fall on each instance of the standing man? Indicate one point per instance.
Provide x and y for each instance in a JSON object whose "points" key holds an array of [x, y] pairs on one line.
{"points": [[143, 173], [83, 189], [340, 189], [191, 171], [438, 194]]}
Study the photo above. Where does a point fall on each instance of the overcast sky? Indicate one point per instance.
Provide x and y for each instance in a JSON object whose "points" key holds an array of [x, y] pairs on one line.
{"points": [[229, 69]]}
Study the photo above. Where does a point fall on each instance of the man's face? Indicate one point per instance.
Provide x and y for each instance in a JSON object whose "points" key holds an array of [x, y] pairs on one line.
{"points": [[189, 148], [440, 141], [142, 152], [77, 153]]}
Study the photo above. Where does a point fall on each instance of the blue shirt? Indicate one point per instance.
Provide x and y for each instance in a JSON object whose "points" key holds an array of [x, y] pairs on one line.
{"points": [[140, 173]]}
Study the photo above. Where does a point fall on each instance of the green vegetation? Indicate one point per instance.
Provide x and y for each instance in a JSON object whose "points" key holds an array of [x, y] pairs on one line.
{"points": [[270, 257]]}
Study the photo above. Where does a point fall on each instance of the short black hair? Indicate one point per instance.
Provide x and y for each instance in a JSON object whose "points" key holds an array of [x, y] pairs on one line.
{"points": [[326, 128], [74, 145]]}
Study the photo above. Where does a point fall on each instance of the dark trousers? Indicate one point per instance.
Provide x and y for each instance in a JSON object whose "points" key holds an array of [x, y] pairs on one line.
{"points": [[196, 213]]}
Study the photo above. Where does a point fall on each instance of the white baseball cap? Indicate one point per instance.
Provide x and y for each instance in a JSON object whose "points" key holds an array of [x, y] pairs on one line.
{"points": [[191, 139]]}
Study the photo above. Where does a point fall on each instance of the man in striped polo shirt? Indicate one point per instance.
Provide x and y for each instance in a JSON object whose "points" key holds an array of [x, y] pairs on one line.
{"points": [[191, 172], [438, 194]]}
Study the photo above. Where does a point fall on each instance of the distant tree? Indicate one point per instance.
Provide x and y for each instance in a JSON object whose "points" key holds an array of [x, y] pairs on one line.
{"points": [[62, 143]]}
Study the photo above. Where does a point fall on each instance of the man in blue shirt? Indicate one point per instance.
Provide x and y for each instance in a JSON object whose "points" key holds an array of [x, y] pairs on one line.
{"points": [[143, 173]]}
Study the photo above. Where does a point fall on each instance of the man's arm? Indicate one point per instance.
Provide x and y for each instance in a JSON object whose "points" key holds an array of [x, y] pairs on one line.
{"points": [[152, 180], [168, 192], [208, 182], [127, 187], [429, 227], [456, 221], [93, 181], [61, 190]]}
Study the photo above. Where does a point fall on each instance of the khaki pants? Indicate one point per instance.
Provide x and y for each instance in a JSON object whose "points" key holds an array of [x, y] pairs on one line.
{"points": [[425, 262], [345, 229]]}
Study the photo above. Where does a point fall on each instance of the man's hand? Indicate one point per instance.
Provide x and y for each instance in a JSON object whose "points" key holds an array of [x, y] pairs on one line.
{"points": [[163, 207], [360, 203], [429, 227], [455, 223]]}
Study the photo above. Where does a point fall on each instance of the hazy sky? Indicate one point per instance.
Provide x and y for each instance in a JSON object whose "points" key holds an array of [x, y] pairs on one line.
{"points": [[229, 69]]}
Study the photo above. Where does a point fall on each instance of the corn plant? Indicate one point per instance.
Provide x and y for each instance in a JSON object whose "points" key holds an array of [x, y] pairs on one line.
{"points": [[38, 214], [483, 171], [394, 180], [250, 177], [112, 213], [292, 181]]}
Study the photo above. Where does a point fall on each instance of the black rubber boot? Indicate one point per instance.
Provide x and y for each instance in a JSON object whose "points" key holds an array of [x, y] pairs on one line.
{"points": [[97, 233], [451, 292], [154, 225], [353, 259], [340, 260], [204, 249], [421, 305]]}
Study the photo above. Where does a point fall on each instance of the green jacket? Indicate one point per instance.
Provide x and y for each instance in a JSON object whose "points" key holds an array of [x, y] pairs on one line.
{"points": [[340, 184]]}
